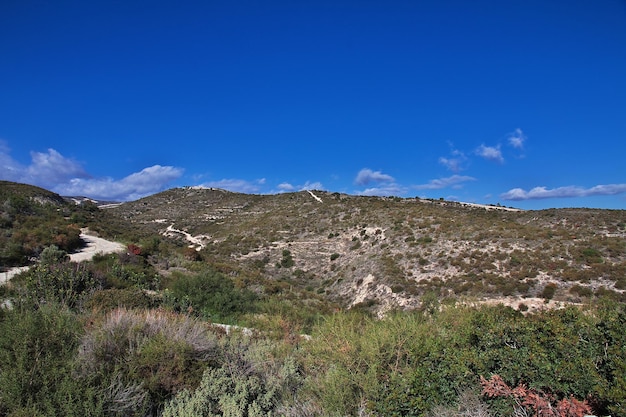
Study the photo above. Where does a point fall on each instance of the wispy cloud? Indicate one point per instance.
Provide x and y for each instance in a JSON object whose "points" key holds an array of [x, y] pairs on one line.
{"points": [[237, 185], [456, 162], [517, 139], [454, 181], [563, 192], [383, 184], [491, 153], [286, 187], [140, 184], [51, 168], [66, 176], [453, 164], [367, 176], [312, 186], [385, 190]]}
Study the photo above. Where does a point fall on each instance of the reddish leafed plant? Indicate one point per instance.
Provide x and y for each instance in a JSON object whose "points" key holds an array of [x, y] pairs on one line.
{"points": [[530, 400], [134, 249]]}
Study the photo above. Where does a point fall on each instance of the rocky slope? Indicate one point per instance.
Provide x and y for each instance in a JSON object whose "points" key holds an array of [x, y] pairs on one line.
{"points": [[386, 253]]}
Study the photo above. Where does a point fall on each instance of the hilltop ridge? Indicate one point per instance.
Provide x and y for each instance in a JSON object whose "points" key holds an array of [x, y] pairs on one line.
{"points": [[386, 252], [377, 253]]}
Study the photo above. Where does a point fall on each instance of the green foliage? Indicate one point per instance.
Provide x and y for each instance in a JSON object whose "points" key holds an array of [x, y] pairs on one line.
{"points": [[287, 260], [210, 294], [53, 255], [65, 283], [590, 255], [140, 359], [130, 298], [31, 219], [549, 290], [126, 271], [249, 382], [407, 364], [37, 348]]}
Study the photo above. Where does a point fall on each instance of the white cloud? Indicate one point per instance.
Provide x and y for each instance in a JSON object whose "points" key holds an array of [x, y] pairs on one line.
{"points": [[456, 163], [491, 153], [563, 192], [10, 170], [65, 176], [367, 176], [51, 168], [453, 164], [237, 185], [286, 187], [392, 189], [140, 184], [454, 181], [517, 139], [311, 186], [46, 169]]}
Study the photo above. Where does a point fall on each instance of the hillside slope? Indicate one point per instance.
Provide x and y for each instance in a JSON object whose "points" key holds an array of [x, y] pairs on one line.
{"points": [[385, 253], [32, 218]]}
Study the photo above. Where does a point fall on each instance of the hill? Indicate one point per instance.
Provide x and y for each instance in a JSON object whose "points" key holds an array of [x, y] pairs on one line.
{"points": [[383, 253], [32, 218]]}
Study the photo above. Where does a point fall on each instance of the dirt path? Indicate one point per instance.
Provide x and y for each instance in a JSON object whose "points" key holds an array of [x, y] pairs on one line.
{"points": [[93, 246]]}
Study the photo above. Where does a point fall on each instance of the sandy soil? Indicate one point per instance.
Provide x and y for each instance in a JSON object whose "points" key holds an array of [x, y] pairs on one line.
{"points": [[95, 245]]}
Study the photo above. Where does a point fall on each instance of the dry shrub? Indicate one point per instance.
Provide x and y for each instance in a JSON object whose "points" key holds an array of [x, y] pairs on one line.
{"points": [[123, 332], [143, 358]]}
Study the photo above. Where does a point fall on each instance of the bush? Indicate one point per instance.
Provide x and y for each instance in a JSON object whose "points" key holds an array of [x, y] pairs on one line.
{"points": [[130, 298], [210, 294], [549, 290], [142, 358], [249, 381], [407, 364], [67, 283], [37, 348], [287, 261], [53, 255]]}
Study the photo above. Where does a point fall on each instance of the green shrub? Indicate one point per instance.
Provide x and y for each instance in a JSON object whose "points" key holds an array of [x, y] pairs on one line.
{"points": [[66, 283], [210, 294], [130, 298], [140, 359], [287, 260], [249, 381], [407, 364], [549, 290], [53, 255], [37, 348]]}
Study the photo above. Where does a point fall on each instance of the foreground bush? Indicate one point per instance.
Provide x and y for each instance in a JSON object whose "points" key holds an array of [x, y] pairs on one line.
{"points": [[65, 283], [249, 382], [409, 364], [140, 359], [37, 349]]}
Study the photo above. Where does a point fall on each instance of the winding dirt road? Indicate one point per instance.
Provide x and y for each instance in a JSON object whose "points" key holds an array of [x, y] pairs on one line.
{"points": [[93, 246]]}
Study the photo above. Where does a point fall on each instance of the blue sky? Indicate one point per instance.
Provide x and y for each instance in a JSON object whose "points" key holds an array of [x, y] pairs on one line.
{"points": [[521, 103]]}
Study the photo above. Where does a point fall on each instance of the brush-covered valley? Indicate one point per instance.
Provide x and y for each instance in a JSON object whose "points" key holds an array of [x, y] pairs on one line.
{"points": [[309, 304]]}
